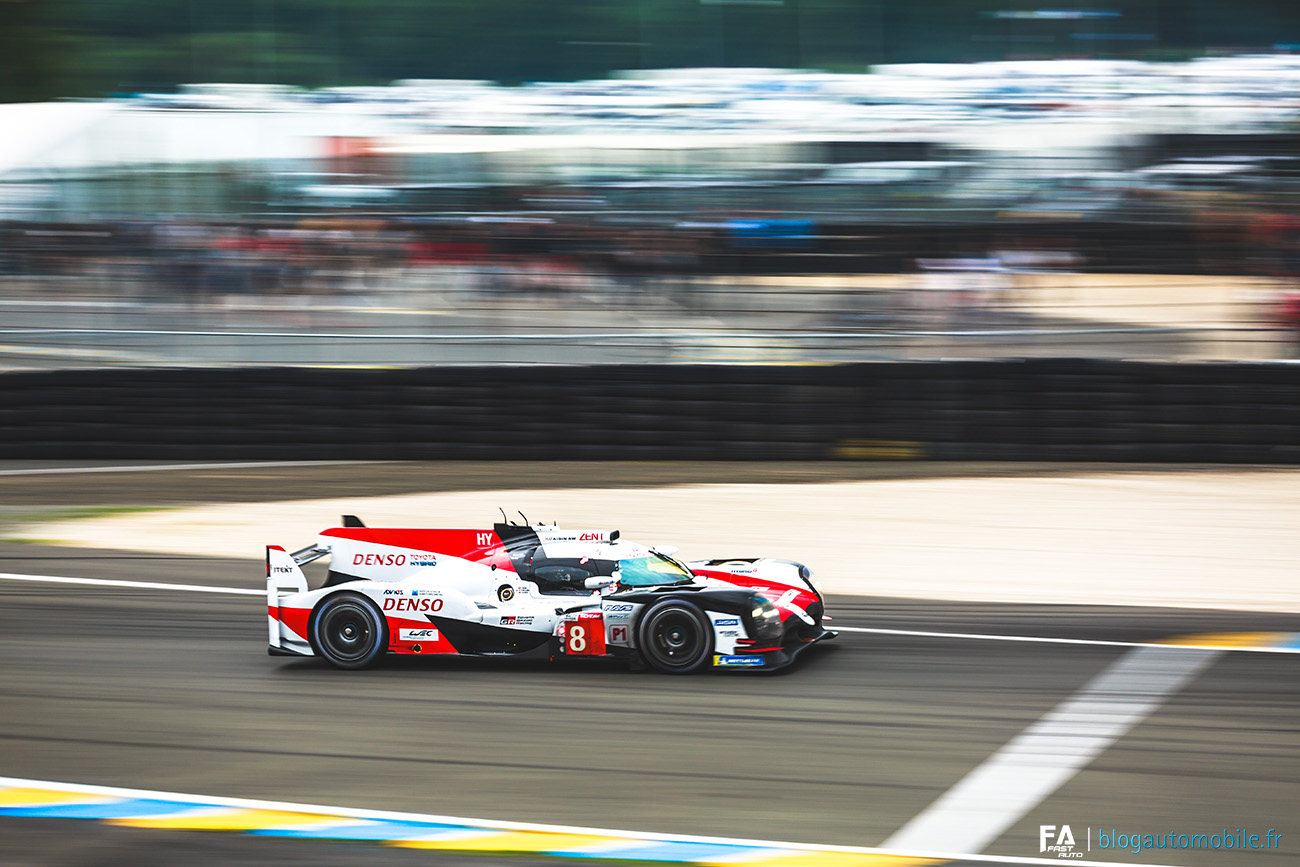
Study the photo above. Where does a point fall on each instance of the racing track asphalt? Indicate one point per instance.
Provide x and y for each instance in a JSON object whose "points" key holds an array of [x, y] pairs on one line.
{"points": [[173, 691]]}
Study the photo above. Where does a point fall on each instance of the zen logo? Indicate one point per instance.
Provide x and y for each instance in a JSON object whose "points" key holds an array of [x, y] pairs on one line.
{"points": [[1061, 842]]}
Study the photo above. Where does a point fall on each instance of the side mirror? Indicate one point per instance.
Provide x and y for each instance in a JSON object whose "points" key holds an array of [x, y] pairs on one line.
{"points": [[597, 582]]}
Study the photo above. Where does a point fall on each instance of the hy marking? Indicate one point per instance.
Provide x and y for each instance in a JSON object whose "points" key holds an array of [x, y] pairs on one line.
{"points": [[1042, 758], [278, 818]]}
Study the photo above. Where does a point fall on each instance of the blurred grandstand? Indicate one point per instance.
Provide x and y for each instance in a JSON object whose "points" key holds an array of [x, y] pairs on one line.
{"points": [[1081, 207]]}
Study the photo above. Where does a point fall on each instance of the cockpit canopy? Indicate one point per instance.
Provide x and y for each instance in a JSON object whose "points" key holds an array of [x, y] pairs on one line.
{"points": [[567, 572], [562, 566]]}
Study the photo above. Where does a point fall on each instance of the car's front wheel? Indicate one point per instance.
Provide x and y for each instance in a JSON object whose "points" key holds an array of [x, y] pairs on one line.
{"points": [[349, 631], [675, 637]]}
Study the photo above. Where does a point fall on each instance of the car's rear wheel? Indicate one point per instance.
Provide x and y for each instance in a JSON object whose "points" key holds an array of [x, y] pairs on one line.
{"points": [[675, 637], [349, 631]]}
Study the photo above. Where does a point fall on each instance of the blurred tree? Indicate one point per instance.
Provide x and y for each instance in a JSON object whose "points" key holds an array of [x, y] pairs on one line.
{"points": [[54, 48]]}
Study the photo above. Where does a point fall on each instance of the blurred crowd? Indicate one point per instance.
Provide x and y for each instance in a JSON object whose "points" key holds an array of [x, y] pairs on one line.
{"points": [[311, 255], [961, 178]]}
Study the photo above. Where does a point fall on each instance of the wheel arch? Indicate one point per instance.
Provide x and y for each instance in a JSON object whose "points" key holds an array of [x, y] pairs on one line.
{"points": [[700, 613], [385, 633]]}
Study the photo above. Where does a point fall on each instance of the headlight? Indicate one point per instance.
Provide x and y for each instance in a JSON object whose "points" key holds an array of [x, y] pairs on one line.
{"points": [[806, 574], [816, 586], [764, 619]]}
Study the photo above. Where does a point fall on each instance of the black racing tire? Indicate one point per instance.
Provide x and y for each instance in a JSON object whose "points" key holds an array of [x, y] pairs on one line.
{"points": [[675, 637], [348, 631]]}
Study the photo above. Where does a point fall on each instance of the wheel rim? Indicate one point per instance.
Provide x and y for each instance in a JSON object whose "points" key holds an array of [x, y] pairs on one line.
{"points": [[347, 631], [676, 638]]}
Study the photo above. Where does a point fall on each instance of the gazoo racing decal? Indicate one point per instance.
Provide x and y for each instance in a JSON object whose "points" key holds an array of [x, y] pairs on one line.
{"points": [[417, 635], [429, 605]]}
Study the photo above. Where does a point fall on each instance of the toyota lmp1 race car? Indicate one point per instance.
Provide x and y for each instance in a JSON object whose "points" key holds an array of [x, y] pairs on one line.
{"points": [[536, 589]]}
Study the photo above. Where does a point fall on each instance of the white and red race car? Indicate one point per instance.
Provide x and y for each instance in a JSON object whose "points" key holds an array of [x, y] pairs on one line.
{"points": [[536, 589]]}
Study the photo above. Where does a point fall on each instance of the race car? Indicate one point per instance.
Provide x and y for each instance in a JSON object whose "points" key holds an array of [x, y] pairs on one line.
{"points": [[540, 590]]}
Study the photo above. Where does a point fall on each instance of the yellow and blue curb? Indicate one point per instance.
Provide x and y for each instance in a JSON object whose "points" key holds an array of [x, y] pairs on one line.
{"points": [[134, 808], [1275, 642]]}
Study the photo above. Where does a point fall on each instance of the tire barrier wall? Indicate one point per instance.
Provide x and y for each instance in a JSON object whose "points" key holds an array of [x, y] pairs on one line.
{"points": [[1042, 410]]}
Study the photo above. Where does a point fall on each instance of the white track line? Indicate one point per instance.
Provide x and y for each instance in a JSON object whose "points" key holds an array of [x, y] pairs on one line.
{"points": [[1038, 639], [1032, 639], [1038, 761], [385, 815], [986, 637], [133, 585], [156, 468]]}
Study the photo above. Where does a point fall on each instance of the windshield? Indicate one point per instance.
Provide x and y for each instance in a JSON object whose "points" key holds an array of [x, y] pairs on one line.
{"points": [[652, 570]]}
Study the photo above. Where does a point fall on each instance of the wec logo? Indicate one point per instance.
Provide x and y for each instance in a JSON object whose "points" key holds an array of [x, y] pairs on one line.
{"points": [[1060, 842]]}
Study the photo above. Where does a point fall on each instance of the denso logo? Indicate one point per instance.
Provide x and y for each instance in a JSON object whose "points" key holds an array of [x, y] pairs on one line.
{"points": [[379, 560], [391, 604]]}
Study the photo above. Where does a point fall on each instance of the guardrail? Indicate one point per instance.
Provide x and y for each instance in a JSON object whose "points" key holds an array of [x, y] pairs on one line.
{"points": [[37, 348], [1049, 409]]}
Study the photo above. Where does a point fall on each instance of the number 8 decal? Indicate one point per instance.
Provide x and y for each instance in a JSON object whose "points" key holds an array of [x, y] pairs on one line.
{"points": [[585, 637]]}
